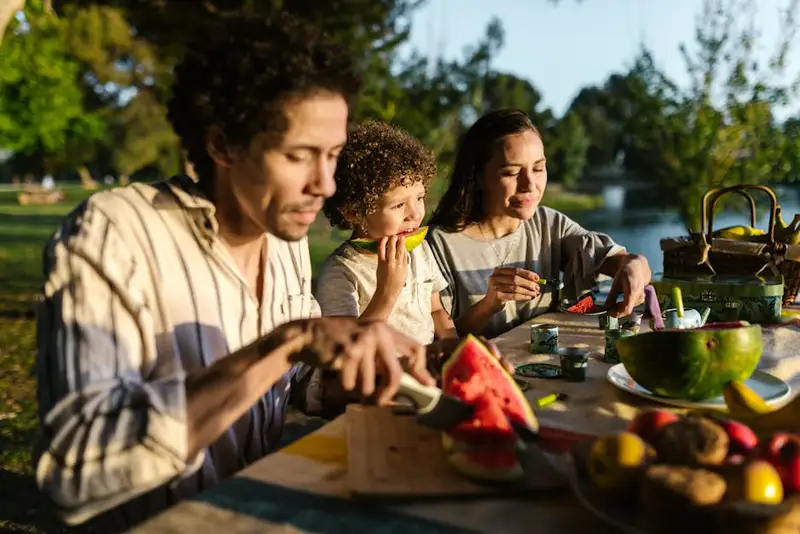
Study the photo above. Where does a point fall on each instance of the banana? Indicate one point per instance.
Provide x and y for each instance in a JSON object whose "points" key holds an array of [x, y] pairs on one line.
{"points": [[784, 419], [741, 400], [738, 232], [788, 233]]}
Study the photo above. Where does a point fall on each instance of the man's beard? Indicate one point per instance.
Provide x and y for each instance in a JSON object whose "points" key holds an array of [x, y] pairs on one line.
{"points": [[289, 230], [289, 234]]}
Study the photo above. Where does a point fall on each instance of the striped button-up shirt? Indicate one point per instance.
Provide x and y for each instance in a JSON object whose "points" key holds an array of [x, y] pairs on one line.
{"points": [[139, 292]]}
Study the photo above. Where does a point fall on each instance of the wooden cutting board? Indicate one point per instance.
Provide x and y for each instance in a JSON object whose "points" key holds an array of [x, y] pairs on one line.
{"points": [[391, 457]]}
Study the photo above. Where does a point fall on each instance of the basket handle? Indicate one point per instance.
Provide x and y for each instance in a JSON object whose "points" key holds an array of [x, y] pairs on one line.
{"points": [[714, 195]]}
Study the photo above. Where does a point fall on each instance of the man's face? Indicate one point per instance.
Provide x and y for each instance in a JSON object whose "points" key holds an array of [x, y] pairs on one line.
{"points": [[280, 187]]}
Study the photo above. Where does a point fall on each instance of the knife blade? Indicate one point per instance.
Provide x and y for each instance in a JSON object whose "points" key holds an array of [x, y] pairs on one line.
{"points": [[524, 432], [435, 409]]}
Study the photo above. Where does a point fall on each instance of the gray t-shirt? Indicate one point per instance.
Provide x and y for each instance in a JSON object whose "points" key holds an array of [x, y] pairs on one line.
{"points": [[348, 280], [549, 244]]}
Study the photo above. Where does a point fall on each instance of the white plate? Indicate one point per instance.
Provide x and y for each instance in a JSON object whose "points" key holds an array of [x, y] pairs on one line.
{"points": [[770, 388]]}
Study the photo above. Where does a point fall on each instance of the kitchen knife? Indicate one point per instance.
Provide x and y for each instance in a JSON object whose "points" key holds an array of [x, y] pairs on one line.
{"points": [[435, 409], [524, 432]]}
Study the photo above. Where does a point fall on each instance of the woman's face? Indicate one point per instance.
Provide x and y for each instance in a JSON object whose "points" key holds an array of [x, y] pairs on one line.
{"points": [[515, 176]]}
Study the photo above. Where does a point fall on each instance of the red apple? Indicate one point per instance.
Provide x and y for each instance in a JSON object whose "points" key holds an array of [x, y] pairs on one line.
{"points": [[783, 452], [742, 440], [648, 423]]}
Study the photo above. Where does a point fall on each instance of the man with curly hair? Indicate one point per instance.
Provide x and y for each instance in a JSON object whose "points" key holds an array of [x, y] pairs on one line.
{"points": [[177, 320], [381, 183]]}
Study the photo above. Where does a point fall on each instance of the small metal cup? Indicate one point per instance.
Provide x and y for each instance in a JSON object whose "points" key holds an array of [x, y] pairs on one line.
{"points": [[611, 355], [574, 361], [632, 322], [544, 338], [606, 322]]}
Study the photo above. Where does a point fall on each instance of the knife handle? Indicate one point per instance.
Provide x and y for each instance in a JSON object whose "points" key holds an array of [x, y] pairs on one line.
{"points": [[424, 397]]}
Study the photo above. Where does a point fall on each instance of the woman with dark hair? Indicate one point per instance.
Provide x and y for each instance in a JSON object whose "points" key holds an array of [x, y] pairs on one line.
{"points": [[493, 241]]}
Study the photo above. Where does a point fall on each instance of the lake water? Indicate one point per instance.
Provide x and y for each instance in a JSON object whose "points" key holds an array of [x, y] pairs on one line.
{"points": [[639, 230]]}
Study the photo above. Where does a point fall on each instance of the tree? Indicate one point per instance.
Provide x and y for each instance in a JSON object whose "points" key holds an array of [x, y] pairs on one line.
{"points": [[131, 46], [567, 150], [372, 29], [791, 149], [720, 130], [142, 136], [435, 99], [42, 105], [124, 81]]}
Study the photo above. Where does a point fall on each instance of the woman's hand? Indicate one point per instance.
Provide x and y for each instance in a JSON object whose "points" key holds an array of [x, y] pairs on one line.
{"points": [[511, 284], [630, 279]]}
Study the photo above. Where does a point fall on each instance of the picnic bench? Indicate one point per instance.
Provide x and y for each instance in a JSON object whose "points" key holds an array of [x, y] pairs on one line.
{"points": [[304, 487]]}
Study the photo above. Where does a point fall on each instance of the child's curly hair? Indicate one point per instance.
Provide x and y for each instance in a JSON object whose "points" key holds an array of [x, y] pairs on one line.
{"points": [[376, 159]]}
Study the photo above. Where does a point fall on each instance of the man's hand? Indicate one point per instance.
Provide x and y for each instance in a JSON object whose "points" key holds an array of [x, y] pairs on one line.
{"points": [[440, 350], [359, 351], [630, 279], [511, 284]]}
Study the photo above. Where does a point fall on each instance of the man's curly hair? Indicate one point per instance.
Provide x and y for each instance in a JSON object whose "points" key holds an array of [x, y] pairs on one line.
{"points": [[242, 74], [376, 158]]}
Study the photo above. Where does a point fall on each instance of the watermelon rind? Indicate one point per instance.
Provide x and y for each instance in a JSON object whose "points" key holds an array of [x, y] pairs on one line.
{"points": [[487, 466], [691, 364], [412, 241], [451, 444]]}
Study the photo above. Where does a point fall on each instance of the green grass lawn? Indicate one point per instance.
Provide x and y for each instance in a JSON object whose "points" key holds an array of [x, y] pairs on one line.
{"points": [[23, 231]]}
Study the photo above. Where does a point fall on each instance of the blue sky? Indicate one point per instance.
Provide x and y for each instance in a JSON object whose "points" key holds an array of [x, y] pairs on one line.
{"points": [[562, 47]]}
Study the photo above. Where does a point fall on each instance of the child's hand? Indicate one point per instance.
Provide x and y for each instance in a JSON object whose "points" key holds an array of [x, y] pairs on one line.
{"points": [[392, 265]]}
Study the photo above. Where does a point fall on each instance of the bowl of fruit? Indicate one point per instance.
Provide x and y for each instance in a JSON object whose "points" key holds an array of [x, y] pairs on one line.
{"points": [[702, 473]]}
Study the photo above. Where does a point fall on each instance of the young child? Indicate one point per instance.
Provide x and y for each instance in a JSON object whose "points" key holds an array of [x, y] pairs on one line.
{"points": [[382, 180]]}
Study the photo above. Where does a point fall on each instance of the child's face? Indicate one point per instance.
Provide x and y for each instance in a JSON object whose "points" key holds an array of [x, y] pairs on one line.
{"points": [[400, 211]]}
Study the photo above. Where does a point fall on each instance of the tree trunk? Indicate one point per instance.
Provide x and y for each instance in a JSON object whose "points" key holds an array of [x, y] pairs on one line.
{"points": [[8, 8], [86, 178]]}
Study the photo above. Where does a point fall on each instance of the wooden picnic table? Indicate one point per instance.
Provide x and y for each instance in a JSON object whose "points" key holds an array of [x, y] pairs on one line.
{"points": [[303, 487]]}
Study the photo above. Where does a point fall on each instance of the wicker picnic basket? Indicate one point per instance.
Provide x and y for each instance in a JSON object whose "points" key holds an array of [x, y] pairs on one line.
{"points": [[702, 254]]}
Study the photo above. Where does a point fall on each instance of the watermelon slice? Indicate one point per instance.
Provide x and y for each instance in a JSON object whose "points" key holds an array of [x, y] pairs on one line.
{"points": [[485, 447], [489, 466], [585, 305], [413, 240], [488, 427], [473, 371]]}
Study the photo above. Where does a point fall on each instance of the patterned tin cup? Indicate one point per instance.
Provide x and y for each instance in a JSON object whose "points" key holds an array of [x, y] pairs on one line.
{"points": [[574, 361], [632, 322], [611, 355], [544, 338], [606, 322]]}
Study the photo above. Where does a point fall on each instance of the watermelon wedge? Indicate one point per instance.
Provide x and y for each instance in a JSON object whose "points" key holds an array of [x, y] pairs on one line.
{"points": [[489, 466], [585, 305], [472, 371], [485, 447], [413, 240]]}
